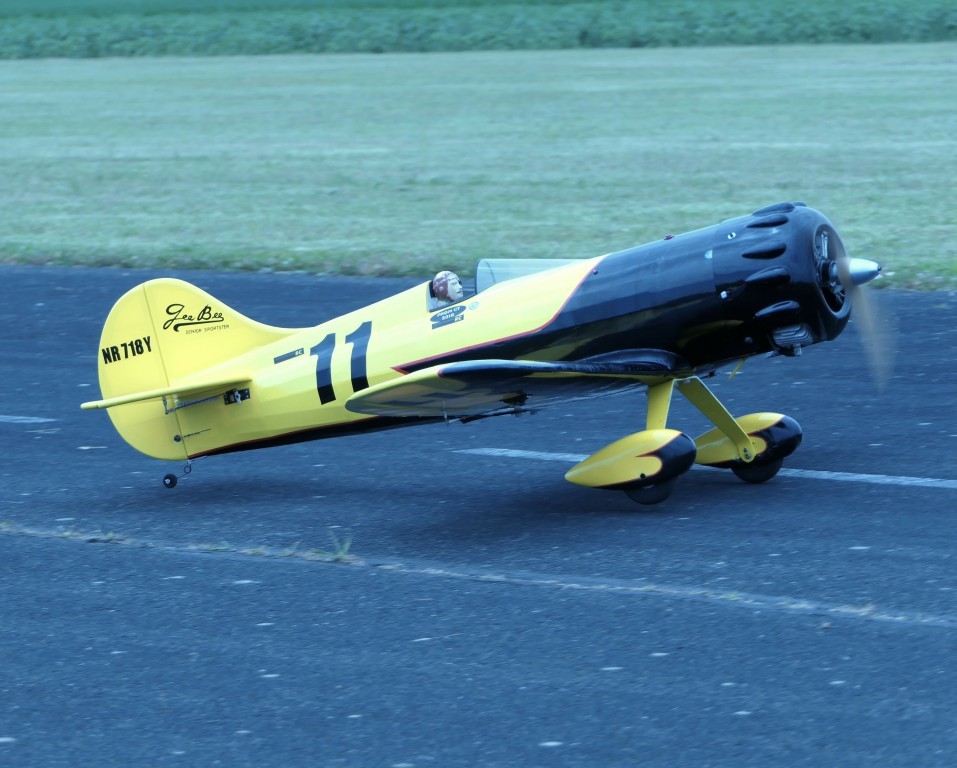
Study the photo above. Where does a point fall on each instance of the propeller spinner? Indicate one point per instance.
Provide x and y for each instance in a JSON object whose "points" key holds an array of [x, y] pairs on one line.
{"points": [[859, 271]]}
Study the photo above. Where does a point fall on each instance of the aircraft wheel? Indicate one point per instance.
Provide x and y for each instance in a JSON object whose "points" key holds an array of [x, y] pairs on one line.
{"points": [[757, 473], [651, 494], [169, 481]]}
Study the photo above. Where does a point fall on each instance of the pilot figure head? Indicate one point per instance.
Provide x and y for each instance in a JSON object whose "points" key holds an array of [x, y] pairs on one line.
{"points": [[447, 287]]}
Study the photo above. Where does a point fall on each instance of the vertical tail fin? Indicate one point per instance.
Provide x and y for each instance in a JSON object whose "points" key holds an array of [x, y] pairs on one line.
{"points": [[159, 338]]}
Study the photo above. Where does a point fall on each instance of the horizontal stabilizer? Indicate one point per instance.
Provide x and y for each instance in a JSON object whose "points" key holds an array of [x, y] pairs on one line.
{"points": [[477, 387], [212, 385]]}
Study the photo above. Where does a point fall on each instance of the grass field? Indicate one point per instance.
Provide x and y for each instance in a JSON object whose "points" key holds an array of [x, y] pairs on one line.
{"points": [[403, 164], [108, 28]]}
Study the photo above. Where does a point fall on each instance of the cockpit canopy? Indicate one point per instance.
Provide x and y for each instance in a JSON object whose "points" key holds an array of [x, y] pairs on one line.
{"points": [[492, 271]]}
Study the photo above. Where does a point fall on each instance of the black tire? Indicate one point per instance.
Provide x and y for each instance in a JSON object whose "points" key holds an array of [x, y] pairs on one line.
{"points": [[757, 473], [651, 494], [169, 481]]}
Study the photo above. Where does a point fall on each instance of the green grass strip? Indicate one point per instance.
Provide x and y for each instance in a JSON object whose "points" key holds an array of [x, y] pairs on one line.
{"points": [[57, 28], [405, 164]]}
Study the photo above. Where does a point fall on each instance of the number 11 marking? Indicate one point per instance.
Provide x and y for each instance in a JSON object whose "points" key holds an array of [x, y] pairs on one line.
{"points": [[359, 339]]}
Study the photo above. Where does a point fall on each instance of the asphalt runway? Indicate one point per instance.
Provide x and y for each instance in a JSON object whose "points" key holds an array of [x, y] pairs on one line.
{"points": [[486, 613]]}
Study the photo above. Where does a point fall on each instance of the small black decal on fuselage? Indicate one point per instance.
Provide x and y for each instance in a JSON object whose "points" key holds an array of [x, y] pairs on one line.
{"points": [[289, 356]]}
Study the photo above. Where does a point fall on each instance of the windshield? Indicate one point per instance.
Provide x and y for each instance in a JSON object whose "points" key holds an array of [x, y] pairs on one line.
{"points": [[492, 271]]}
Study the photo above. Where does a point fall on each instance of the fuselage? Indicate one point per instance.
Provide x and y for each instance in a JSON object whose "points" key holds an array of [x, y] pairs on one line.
{"points": [[747, 286]]}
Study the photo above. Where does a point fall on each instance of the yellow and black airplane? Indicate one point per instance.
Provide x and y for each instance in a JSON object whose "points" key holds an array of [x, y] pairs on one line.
{"points": [[185, 376]]}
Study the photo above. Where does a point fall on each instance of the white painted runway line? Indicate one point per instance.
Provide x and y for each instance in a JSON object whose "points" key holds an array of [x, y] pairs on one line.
{"points": [[642, 588], [804, 474], [263, 556], [23, 419]]}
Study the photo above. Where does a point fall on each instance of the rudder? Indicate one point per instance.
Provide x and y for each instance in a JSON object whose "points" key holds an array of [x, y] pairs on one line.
{"points": [[157, 335]]}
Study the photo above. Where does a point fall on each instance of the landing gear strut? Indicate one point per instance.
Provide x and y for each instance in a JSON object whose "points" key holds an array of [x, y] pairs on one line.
{"points": [[646, 464]]}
